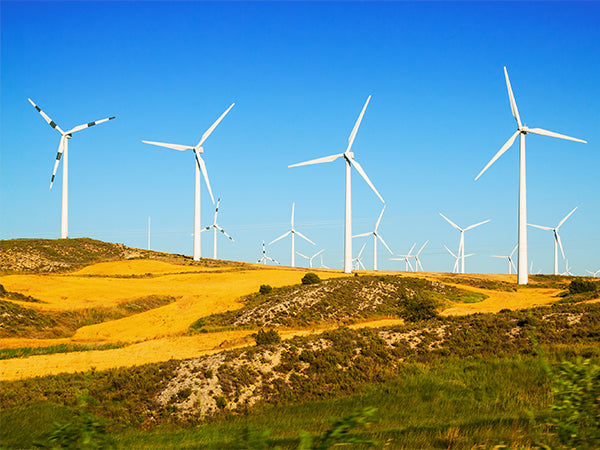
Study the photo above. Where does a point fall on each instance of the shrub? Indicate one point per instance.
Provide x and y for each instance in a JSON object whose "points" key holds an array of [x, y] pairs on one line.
{"points": [[419, 307], [265, 289], [267, 337], [578, 286], [311, 278]]}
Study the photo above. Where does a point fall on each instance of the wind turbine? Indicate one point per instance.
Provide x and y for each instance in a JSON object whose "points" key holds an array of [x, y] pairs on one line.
{"points": [[461, 247], [350, 161], [376, 236], [358, 260], [522, 130], [310, 258], [322, 266], [265, 258], [63, 151], [511, 264], [200, 166], [406, 259], [417, 259], [567, 269], [215, 226], [594, 274], [293, 232], [557, 240], [457, 258]]}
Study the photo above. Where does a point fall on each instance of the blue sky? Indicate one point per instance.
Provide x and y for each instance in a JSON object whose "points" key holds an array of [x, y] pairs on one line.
{"points": [[299, 74]]}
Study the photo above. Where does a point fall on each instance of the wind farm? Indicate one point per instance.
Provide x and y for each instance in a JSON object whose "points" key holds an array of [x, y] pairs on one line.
{"points": [[279, 314]]}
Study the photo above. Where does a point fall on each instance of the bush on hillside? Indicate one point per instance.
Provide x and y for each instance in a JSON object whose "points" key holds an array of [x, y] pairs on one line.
{"points": [[419, 307], [578, 286], [311, 278], [265, 289], [267, 337]]}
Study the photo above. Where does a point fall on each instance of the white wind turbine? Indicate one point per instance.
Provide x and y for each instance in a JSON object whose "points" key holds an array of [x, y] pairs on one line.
{"points": [[461, 247], [376, 236], [200, 166], [350, 161], [457, 259], [511, 264], [567, 269], [293, 232], [357, 262], [266, 258], [594, 274], [417, 259], [322, 266], [63, 152], [557, 240], [310, 258], [522, 130], [406, 259], [216, 227]]}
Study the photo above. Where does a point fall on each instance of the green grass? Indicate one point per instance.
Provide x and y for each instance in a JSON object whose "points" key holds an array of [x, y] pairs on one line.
{"points": [[24, 352]]}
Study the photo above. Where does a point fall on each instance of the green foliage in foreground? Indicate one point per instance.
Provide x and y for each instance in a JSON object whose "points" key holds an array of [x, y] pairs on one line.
{"points": [[267, 337], [311, 278], [24, 352]]}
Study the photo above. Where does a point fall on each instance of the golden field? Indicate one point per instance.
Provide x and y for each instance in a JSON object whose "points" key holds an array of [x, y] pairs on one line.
{"points": [[160, 334]]}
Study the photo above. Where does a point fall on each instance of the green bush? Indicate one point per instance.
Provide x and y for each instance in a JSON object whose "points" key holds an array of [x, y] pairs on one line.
{"points": [[419, 307], [578, 286], [311, 278], [265, 289], [267, 337]]}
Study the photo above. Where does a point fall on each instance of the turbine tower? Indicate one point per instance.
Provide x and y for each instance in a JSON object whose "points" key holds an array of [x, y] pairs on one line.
{"points": [[511, 264], [215, 226], [63, 152], [557, 240], [310, 258], [293, 232], [376, 236], [350, 161], [265, 258], [461, 246], [200, 167], [522, 130]]}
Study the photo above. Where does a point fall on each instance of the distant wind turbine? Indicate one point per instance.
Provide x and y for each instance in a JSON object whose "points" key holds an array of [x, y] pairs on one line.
{"points": [[406, 259], [322, 266], [376, 236], [310, 258], [358, 260], [216, 227], [594, 274], [457, 259], [350, 161], [266, 258], [63, 152], [293, 232], [200, 166], [461, 247], [557, 240], [522, 130], [417, 259], [511, 264], [567, 269]]}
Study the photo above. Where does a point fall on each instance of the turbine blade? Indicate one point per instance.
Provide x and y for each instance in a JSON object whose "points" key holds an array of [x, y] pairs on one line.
{"points": [[498, 256], [566, 217], [362, 173], [292, 221], [216, 211], [560, 244], [213, 126], [318, 160], [505, 147], [202, 167], [450, 251], [513, 103], [362, 234], [380, 216], [543, 132], [513, 266], [422, 247], [514, 250], [87, 125], [173, 146], [361, 250], [411, 249], [280, 237], [58, 156], [300, 254], [46, 118], [409, 264], [383, 242], [271, 259], [318, 253], [224, 232], [304, 237], [476, 225], [356, 125], [541, 227], [451, 223]]}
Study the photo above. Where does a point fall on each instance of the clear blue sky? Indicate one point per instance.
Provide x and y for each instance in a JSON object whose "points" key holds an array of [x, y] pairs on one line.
{"points": [[299, 74]]}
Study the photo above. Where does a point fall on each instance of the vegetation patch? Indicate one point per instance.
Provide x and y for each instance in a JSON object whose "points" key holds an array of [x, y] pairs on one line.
{"points": [[24, 352], [18, 321], [17, 296], [580, 290], [334, 301], [480, 283]]}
